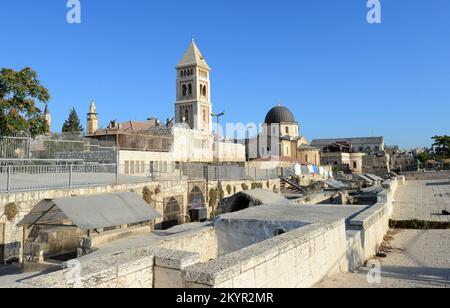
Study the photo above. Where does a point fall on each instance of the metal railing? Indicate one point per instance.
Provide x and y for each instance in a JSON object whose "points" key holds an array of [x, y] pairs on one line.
{"points": [[68, 174], [18, 178]]}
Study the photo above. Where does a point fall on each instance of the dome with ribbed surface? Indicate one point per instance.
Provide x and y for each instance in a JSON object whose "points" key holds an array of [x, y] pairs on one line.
{"points": [[278, 115]]}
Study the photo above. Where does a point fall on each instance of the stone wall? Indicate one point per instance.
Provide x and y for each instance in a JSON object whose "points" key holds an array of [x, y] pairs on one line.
{"points": [[293, 260], [25, 201], [130, 269], [426, 176], [178, 190], [299, 258], [373, 224], [203, 242]]}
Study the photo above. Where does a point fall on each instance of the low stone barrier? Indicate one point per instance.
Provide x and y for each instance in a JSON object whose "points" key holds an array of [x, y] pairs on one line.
{"points": [[373, 224], [427, 176], [295, 259]]}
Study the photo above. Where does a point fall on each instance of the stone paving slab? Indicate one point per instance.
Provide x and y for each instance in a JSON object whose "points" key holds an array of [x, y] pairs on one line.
{"points": [[419, 259], [422, 200]]}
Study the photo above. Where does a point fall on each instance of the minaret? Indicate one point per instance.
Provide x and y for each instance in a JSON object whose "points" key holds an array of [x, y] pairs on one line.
{"points": [[92, 119], [48, 118], [193, 98]]}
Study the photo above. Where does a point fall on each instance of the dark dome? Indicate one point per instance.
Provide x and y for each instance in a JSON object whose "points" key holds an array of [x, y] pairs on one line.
{"points": [[278, 115]]}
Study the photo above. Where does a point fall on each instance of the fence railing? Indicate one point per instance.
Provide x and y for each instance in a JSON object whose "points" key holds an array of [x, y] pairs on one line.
{"points": [[68, 174], [15, 178]]}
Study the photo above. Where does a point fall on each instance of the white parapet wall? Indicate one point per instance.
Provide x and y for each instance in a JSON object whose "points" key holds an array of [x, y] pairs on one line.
{"points": [[295, 259], [372, 225]]}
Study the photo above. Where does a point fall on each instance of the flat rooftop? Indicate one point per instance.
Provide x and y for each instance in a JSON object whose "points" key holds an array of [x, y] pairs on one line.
{"points": [[302, 213]]}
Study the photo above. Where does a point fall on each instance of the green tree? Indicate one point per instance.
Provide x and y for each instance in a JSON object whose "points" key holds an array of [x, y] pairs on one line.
{"points": [[20, 91], [72, 124], [441, 146], [423, 157]]}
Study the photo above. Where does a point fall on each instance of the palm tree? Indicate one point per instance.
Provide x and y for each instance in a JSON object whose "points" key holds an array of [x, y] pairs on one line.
{"points": [[442, 146]]}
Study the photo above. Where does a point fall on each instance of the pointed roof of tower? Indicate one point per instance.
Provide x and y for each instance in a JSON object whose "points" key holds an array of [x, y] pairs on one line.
{"points": [[193, 56], [92, 108]]}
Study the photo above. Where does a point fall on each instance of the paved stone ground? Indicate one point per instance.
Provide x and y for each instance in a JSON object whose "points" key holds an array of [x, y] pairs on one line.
{"points": [[418, 259], [423, 200]]}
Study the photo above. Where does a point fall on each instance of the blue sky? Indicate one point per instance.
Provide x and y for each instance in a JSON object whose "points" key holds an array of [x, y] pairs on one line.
{"points": [[340, 75]]}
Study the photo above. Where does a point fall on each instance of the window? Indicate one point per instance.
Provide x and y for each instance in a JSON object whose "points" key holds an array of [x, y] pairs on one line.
{"points": [[184, 90], [287, 130], [190, 89], [127, 167], [306, 158], [186, 116], [355, 165]]}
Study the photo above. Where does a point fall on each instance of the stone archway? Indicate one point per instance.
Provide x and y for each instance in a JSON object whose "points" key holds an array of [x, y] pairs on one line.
{"points": [[171, 211], [196, 198]]}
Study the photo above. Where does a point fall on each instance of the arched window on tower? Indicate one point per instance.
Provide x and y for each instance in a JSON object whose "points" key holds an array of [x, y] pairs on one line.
{"points": [[190, 89], [184, 90], [204, 91], [186, 115]]}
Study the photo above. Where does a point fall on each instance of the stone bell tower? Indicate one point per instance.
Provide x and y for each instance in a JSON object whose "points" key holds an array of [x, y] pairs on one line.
{"points": [[92, 119], [193, 98]]}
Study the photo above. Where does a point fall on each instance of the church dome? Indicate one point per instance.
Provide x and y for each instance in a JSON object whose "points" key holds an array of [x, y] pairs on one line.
{"points": [[278, 115]]}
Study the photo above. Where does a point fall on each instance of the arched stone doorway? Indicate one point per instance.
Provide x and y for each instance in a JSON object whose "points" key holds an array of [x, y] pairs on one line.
{"points": [[171, 212], [196, 198]]}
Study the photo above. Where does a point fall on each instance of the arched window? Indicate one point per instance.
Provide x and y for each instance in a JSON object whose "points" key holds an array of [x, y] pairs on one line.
{"points": [[306, 158], [190, 89], [181, 74], [186, 116], [287, 130], [192, 71], [184, 90], [204, 91]]}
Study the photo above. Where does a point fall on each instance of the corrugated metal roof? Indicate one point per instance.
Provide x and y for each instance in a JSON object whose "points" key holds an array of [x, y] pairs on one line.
{"points": [[92, 212]]}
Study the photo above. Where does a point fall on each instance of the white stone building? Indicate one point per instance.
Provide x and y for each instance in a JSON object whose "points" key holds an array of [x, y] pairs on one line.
{"points": [[190, 137]]}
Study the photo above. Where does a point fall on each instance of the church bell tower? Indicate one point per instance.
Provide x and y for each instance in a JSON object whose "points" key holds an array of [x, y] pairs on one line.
{"points": [[193, 98]]}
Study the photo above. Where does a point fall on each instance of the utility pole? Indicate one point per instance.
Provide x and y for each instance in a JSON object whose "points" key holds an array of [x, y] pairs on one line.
{"points": [[217, 116]]}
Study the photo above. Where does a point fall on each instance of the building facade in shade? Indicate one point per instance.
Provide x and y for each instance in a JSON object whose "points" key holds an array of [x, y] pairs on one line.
{"points": [[346, 162], [368, 145]]}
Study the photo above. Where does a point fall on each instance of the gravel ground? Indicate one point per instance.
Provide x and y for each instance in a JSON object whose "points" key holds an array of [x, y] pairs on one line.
{"points": [[417, 259]]}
